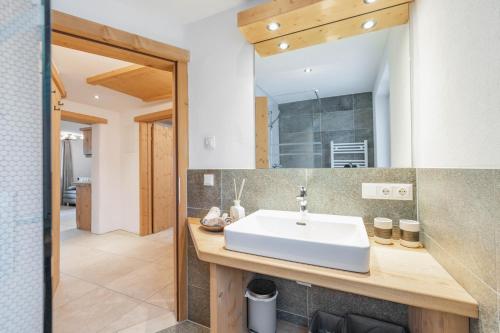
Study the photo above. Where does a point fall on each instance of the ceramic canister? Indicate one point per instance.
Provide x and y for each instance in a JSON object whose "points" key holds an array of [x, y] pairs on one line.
{"points": [[383, 230], [410, 233]]}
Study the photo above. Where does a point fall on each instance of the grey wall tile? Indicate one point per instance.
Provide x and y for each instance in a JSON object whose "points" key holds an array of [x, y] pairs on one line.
{"points": [[457, 209], [292, 297], [338, 191], [198, 271], [338, 103], [363, 118], [478, 289], [299, 137], [299, 123], [363, 100], [200, 196], [292, 318], [306, 107], [337, 121], [341, 303], [199, 305], [264, 189], [497, 232]]}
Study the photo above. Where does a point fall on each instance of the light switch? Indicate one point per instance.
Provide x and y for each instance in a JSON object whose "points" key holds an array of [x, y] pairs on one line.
{"points": [[210, 142], [208, 180]]}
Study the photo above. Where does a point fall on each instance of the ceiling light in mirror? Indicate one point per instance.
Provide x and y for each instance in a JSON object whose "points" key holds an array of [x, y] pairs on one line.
{"points": [[369, 24], [284, 45], [308, 70], [369, 1], [273, 26]]}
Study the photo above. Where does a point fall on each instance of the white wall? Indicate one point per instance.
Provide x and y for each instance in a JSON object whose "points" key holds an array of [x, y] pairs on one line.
{"points": [[382, 118], [398, 56], [456, 85], [106, 177], [221, 94]]}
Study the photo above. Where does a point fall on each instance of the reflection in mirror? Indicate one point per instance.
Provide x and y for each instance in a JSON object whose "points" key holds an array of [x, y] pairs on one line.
{"points": [[344, 103]]}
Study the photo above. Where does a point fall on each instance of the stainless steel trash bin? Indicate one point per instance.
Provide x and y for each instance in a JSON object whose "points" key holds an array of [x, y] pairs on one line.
{"points": [[261, 297]]}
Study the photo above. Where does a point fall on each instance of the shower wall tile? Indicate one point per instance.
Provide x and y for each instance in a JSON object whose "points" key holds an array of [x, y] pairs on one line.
{"points": [[342, 119]]}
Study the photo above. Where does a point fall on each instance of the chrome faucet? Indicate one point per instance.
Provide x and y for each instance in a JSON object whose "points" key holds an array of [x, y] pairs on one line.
{"points": [[301, 200]]}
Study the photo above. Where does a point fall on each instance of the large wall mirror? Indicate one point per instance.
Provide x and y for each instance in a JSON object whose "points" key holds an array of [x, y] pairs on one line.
{"points": [[340, 104]]}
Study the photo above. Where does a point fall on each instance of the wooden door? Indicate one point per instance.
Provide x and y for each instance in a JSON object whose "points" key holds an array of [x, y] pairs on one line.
{"points": [[157, 177], [163, 177], [56, 183]]}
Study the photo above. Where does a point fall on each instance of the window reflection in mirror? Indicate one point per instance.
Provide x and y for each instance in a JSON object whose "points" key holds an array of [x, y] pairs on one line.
{"points": [[344, 103]]}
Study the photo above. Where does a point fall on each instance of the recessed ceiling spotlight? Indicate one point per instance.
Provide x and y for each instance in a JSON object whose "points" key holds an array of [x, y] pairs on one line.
{"points": [[273, 26], [308, 70], [96, 97], [369, 1], [284, 45], [369, 24]]}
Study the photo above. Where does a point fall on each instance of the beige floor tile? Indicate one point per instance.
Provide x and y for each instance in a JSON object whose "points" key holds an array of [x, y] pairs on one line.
{"points": [[166, 236], [69, 289], [141, 313], [153, 325], [92, 312], [143, 283], [100, 267], [165, 298]]}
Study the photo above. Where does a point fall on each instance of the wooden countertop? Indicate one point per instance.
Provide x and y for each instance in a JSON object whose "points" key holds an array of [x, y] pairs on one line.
{"points": [[398, 274]]}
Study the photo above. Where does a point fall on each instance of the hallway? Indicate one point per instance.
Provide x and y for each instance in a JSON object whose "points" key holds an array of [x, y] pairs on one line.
{"points": [[116, 282]]}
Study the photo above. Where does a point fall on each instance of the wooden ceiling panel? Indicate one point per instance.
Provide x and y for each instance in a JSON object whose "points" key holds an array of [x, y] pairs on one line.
{"points": [[148, 84], [299, 15], [385, 18]]}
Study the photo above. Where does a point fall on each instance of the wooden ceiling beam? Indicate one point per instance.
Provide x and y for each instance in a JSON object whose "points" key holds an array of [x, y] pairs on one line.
{"points": [[148, 84], [82, 118], [299, 15], [154, 116]]}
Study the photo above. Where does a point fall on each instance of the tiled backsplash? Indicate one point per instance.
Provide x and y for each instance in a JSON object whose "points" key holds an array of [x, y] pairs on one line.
{"points": [[460, 213], [331, 191]]}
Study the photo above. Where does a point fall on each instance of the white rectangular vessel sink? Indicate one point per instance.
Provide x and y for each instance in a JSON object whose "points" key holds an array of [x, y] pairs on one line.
{"points": [[330, 241]]}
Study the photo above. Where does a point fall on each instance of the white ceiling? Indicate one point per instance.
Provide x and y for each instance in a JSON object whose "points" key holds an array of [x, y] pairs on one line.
{"points": [[340, 67], [75, 67], [184, 11]]}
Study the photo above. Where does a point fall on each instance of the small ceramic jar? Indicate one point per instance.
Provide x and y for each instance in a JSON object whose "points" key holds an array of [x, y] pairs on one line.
{"points": [[410, 233], [383, 230]]}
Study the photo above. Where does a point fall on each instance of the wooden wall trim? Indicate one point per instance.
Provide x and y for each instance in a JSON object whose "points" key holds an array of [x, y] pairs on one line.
{"points": [[75, 26], [182, 167], [154, 116], [145, 179], [82, 118], [57, 81]]}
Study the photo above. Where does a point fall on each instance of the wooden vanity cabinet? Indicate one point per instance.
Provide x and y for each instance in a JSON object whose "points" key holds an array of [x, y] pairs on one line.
{"points": [[84, 206]]}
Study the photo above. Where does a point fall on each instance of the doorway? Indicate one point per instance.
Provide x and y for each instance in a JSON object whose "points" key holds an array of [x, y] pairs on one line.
{"points": [[75, 33]]}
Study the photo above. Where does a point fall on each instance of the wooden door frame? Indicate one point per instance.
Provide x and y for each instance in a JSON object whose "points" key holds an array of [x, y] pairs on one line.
{"points": [[83, 35]]}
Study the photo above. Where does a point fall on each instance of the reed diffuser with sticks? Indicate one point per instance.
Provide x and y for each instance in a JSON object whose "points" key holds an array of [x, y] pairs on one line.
{"points": [[237, 211]]}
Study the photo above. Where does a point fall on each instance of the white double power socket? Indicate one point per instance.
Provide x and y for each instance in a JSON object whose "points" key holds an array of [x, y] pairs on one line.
{"points": [[387, 191]]}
